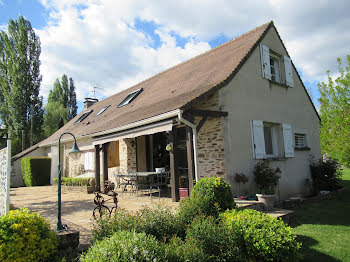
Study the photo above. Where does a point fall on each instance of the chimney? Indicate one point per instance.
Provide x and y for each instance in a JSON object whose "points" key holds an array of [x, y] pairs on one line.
{"points": [[89, 102]]}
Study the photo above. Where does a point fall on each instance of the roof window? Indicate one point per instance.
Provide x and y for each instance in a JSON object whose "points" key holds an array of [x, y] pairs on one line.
{"points": [[102, 110], [130, 97], [83, 116]]}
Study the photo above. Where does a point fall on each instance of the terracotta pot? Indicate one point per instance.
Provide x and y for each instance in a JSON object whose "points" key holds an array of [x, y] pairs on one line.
{"points": [[267, 200]]}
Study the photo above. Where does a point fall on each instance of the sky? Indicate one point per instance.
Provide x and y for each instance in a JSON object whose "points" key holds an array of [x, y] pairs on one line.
{"points": [[112, 44]]}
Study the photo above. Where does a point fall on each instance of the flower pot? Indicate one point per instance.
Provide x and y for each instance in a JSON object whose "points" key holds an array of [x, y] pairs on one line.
{"points": [[183, 192], [267, 200]]}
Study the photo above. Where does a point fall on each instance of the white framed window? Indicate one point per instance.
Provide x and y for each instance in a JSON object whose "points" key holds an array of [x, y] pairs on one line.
{"points": [[89, 161], [273, 66], [300, 141], [271, 140]]}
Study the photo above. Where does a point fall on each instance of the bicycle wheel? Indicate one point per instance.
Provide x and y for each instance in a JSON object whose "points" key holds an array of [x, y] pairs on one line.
{"points": [[113, 211], [101, 211]]}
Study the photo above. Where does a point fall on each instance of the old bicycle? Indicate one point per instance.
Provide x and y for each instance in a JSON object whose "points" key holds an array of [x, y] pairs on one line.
{"points": [[101, 210]]}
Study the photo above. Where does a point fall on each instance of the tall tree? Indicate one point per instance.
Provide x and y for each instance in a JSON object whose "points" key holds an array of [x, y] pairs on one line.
{"points": [[335, 114], [61, 105], [72, 100], [21, 105]]}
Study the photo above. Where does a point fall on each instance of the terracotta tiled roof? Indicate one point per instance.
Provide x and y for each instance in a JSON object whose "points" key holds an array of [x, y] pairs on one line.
{"points": [[169, 90]]}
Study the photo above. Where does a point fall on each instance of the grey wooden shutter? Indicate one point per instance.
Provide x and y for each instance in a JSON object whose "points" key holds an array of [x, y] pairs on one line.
{"points": [[288, 140], [258, 139], [265, 61], [289, 71]]}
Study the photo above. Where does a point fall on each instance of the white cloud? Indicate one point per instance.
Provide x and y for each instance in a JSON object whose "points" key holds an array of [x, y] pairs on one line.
{"points": [[96, 43]]}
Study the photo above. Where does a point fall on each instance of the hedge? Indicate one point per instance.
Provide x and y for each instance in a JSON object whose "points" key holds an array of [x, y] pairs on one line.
{"points": [[71, 181], [36, 170]]}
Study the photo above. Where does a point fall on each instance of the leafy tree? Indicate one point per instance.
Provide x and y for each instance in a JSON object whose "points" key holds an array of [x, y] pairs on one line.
{"points": [[20, 80], [55, 117], [335, 114], [61, 105]]}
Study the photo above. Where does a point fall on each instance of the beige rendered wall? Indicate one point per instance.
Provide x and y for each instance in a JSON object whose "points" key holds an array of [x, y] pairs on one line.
{"points": [[251, 97]]}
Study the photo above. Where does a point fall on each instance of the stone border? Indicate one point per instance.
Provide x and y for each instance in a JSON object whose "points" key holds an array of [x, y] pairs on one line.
{"points": [[292, 203]]}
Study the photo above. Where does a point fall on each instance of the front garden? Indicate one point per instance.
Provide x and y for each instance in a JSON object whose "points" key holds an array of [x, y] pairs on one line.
{"points": [[206, 227]]}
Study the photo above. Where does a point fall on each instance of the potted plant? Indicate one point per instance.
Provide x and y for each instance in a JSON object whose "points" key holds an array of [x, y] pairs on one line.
{"points": [[267, 179], [240, 179]]}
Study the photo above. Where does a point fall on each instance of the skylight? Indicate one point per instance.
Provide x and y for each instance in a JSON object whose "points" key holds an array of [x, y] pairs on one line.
{"points": [[130, 97], [82, 117], [102, 110]]}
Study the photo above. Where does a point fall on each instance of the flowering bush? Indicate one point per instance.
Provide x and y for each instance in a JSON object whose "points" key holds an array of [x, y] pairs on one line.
{"points": [[125, 246], [26, 236], [265, 177]]}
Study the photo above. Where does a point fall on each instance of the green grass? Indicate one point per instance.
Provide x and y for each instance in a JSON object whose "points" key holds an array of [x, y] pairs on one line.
{"points": [[324, 227]]}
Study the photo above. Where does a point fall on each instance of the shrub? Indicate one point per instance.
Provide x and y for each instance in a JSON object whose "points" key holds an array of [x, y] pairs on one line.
{"points": [[36, 170], [178, 250], [325, 174], [107, 226], [265, 177], [209, 197], [158, 221], [26, 236], [72, 181], [212, 236], [261, 237], [125, 246]]}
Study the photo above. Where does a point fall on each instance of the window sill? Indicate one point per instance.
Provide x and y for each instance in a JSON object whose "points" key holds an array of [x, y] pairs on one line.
{"points": [[278, 83], [275, 158], [306, 148]]}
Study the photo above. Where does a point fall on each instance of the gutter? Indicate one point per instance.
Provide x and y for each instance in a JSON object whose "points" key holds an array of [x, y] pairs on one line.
{"points": [[194, 133]]}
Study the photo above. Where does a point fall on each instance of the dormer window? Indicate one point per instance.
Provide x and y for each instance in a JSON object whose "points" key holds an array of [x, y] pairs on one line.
{"points": [[275, 67], [82, 117], [130, 97], [102, 110]]}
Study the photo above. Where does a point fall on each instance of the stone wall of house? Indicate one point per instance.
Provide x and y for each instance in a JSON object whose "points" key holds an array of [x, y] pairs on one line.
{"points": [[127, 155], [210, 141]]}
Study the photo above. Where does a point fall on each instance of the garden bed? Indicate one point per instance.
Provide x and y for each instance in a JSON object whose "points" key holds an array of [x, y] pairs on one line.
{"points": [[84, 189]]}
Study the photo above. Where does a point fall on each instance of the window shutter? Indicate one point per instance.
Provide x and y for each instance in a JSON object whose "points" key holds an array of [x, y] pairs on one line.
{"points": [[289, 71], [265, 61], [288, 140], [258, 139]]}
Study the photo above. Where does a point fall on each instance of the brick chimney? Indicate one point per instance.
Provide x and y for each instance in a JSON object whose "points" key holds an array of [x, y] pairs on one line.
{"points": [[89, 102]]}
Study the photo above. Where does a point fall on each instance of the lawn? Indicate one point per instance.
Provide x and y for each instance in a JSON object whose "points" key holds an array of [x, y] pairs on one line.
{"points": [[324, 227]]}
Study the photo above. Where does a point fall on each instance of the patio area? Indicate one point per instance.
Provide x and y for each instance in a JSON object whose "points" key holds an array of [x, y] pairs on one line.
{"points": [[77, 207]]}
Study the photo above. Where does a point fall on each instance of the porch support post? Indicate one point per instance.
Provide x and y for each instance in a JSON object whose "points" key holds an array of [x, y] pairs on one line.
{"points": [[190, 162], [105, 165], [173, 166], [97, 168]]}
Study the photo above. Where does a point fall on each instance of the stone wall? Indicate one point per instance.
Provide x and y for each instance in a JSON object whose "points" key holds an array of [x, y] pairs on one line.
{"points": [[127, 155], [210, 141]]}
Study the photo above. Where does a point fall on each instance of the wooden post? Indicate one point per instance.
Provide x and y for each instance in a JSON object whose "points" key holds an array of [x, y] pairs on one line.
{"points": [[105, 165], [173, 166], [97, 168], [190, 159]]}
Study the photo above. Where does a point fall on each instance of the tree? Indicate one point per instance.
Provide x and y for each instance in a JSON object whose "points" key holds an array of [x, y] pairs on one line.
{"points": [[72, 100], [54, 117], [61, 105], [335, 114], [20, 82]]}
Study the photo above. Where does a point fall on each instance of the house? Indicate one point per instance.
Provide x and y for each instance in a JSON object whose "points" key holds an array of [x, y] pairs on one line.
{"points": [[217, 114]]}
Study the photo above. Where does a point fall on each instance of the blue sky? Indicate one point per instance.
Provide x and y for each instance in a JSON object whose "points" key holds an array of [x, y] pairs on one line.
{"points": [[115, 44]]}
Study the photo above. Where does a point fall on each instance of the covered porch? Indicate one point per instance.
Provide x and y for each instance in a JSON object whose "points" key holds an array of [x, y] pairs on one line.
{"points": [[166, 145]]}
